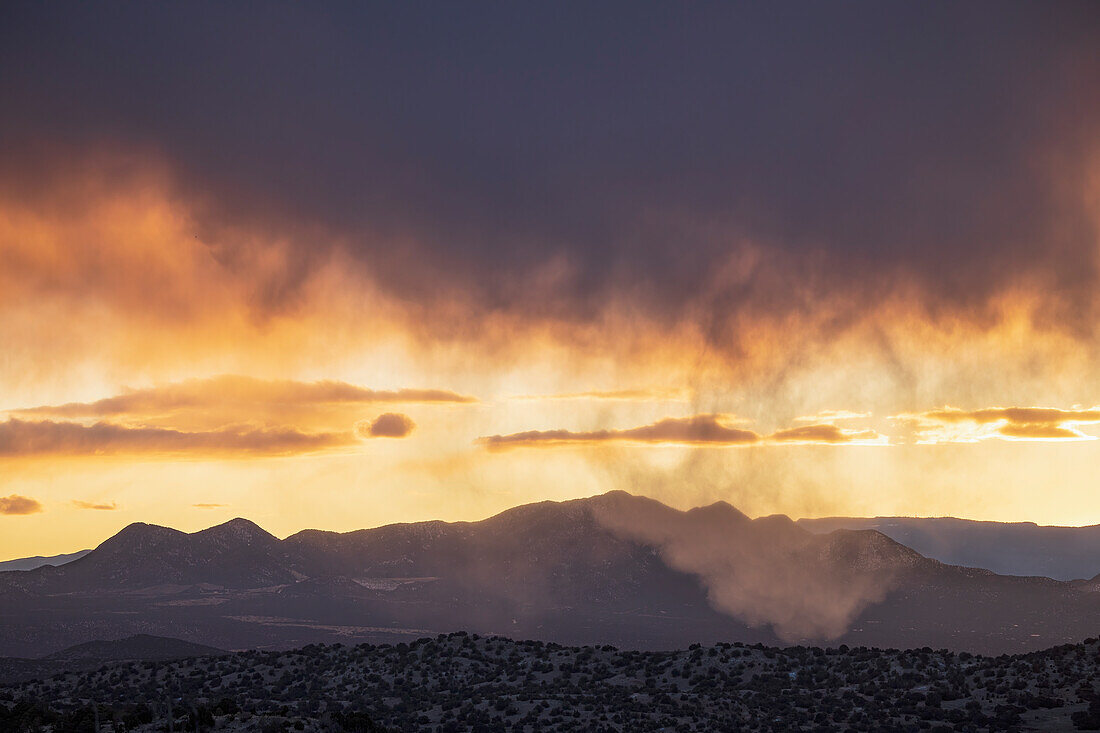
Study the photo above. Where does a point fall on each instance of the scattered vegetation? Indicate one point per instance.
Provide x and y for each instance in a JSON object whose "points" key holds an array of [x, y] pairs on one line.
{"points": [[462, 682]]}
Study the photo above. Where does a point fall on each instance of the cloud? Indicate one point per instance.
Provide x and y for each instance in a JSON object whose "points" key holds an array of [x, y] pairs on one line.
{"points": [[641, 215], [625, 395], [828, 416], [92, 505], [240, 392], [701, 430], [209, 506], [16, 504], [21, 438], [954, 425], [640, 242], [1040, 432], [1009, 414], [388, 425], [707, 429], [828, 434]]}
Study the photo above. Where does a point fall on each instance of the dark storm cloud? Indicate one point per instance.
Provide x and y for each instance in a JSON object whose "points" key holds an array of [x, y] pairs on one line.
{"points": [[628, 148]]}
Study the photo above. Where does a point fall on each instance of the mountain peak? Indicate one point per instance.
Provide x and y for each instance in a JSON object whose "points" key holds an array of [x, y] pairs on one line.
{"points": [[239, 524], [719, 511], [140, 534], [239, 530], [619, 499], [775, 520], [144, 528], [869, 549]]}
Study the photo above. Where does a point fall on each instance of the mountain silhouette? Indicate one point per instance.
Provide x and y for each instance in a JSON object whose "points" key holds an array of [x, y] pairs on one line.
{"points": [[30, 563], [610, 569], [1009, 548]]}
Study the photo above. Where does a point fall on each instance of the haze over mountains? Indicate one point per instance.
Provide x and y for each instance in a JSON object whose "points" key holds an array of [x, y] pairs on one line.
{"points": [[614, 568], [30, 563], [1011, 548]]}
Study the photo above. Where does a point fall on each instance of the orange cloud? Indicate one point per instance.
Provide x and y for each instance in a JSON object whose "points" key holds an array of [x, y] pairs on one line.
{"points": [[1016, 415], [240, 391], [209, 506], [825, 433], [708, 429], [92, 505], [954, 425], [625, 395], [16, 504], [20, 438], [827, 416], [388, 425], [1040, 432]]}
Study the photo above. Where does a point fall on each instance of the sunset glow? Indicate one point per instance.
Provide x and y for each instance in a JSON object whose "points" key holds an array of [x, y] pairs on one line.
{"points": [[215, 302]]}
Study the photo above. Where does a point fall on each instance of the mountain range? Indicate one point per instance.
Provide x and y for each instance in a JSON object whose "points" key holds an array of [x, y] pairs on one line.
{"points": [[611, 569], [30, 563], [1010, 548], [1007, 548]]}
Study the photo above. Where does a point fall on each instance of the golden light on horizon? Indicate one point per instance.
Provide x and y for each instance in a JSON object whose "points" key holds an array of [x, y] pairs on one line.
{"points": [[184, 340]]}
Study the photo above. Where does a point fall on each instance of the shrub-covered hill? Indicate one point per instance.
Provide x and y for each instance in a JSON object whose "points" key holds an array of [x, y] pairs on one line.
{"points": [[462, 682]]}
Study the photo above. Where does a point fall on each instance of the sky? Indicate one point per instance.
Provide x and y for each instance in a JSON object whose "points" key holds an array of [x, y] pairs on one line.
{"points": [[335, 266]]}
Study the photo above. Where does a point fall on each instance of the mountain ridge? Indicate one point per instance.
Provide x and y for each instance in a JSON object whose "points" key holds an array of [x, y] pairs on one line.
{"points": [[613, 568], [37, 561], [1007, 548]]}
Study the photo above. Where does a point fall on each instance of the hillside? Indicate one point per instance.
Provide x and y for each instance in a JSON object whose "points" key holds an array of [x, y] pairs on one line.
{"points": [[93, 654], [463, 682]]}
